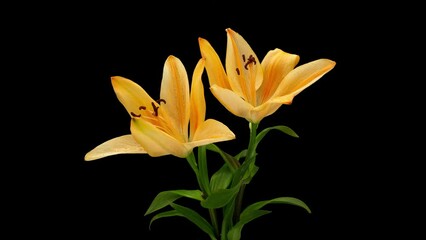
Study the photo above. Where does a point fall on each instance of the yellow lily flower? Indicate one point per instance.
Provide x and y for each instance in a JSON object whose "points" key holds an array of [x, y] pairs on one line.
{"points": [[252, 89], [160, 127]]}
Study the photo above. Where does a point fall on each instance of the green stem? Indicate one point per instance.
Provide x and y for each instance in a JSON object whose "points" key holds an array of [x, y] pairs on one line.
{"points": [[193, 163], [239, 201], [205, 185], [203, 171], [215, 223], [251, 154], [251, 150]]}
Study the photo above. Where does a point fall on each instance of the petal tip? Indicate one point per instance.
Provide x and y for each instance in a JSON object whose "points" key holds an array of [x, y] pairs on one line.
{"points": [[88, 157]]}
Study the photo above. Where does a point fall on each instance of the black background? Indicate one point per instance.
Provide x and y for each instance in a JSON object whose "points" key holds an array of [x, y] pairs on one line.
{"points": [[339, 166]]}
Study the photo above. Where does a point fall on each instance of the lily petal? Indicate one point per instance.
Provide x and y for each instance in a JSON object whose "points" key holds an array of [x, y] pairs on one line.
{"points": [[301, 78], [276, 65], [243, 67], [232, 101], [155, 141], [175, 91], [264, 110], [215, 71], [211, 131], [198, 102], [131, 95], [118, 145]]}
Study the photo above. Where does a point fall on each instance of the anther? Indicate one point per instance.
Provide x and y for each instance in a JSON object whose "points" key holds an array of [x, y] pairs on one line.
{"points": [[159, 101], [135, 115], [155, 108], [251, 59]]}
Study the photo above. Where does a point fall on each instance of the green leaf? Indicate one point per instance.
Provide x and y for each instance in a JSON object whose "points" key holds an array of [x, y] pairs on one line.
{"points": [[281, 200], [221, 178], [254, 211], [221, 197], [229, 159], [250, 174], [235, 232], [246, 172], [243, 153], [167, 197], [195, 218], [281, 128], [171, 213]]}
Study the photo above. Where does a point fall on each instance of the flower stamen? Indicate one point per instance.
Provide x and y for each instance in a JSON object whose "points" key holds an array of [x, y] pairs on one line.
{"points": [[251, 59], [159, 101], [135, 115], [155, 108]]}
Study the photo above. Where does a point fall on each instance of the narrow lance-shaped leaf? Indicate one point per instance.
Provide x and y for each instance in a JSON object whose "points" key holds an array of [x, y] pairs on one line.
{"points": [[195, 218], [281, 200], [221, 178], [250, 174], [167, 197], [229, 159], [221, 197], [246, 172], [235, 232], [243, 153], [254, 211], [171, 213], [283, 129]]}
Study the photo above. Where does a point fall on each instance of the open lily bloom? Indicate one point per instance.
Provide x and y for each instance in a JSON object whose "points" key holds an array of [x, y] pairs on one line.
{"points": [[252, 89], [174, 124]]}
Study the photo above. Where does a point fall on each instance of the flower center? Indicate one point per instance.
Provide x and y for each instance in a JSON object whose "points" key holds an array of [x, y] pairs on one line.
{"points": [[154, 108], [250, 59]]}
